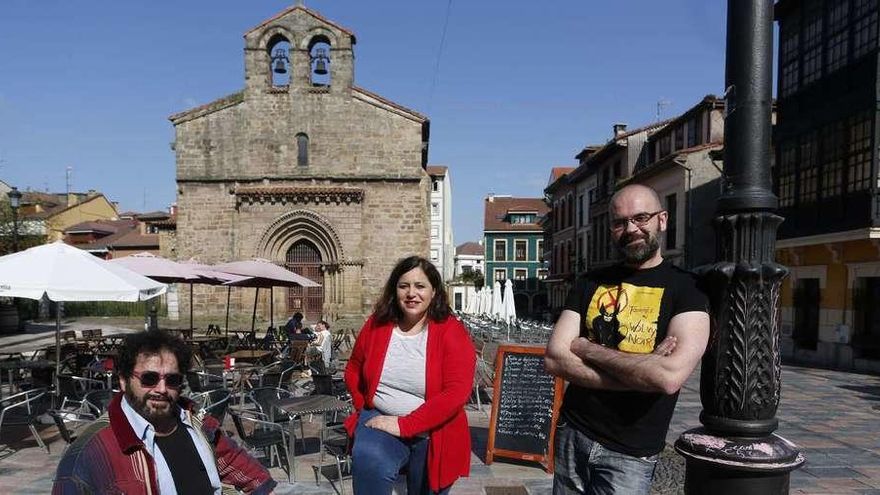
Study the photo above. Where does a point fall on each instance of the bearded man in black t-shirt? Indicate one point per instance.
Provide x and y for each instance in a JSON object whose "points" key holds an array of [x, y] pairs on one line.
{"points": [[628, 338]]}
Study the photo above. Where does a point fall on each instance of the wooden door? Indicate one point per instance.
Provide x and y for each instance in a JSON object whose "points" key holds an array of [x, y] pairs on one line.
{"points": [[304, 259]]}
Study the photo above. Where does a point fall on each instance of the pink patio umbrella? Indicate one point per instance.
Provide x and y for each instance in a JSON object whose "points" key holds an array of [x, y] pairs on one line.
{"points": [[158, 268], [209, 276], [161, 270], [263, 273]]}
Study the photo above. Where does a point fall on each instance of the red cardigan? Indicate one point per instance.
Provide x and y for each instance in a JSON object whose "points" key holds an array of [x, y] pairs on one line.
{"points": [[449, 378]]}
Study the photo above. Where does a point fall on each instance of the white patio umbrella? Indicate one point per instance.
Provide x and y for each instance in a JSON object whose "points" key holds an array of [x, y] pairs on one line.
{"points": [[64, 273], [496, 300], [487, 300], [471, 305], [483, 308], [509, 312]]}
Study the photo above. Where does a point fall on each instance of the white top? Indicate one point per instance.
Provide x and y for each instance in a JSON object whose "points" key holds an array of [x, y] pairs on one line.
{"points": [[324, 343], [401, 387]]}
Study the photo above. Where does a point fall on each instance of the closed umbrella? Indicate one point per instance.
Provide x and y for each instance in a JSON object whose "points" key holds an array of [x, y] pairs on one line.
{"points": [[487, 301], [481, 301], [496, 300], [509, 313], [64, 273], [471, 305]]}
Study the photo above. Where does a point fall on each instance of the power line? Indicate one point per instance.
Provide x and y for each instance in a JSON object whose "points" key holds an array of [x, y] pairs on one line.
{"points": [[439, 55]]}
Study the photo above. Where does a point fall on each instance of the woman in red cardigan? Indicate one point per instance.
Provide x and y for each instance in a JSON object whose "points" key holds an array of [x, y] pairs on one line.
{"points": [[410, 375]]}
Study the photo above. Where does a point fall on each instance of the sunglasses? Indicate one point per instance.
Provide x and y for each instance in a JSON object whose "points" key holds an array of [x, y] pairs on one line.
{"points": [[152, 378]]}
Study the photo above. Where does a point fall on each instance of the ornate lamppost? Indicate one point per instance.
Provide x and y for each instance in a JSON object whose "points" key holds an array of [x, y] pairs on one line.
{"points": [[14, 203], [736, 451]]}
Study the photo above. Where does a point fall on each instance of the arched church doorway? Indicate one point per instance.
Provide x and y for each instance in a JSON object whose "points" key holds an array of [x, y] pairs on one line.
{"points": [[304, 259]]}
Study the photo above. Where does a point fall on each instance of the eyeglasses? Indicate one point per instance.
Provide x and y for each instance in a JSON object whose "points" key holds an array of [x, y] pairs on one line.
{"points": [[639, 220], [152, 378]]}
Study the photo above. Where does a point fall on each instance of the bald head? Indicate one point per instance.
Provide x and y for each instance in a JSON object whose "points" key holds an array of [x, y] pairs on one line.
{"points": [[636, 194]]}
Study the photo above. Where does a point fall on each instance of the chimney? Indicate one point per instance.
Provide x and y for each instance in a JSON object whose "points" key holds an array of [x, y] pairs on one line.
{"points": [[172, 210], [491, 197], [619, 129]]}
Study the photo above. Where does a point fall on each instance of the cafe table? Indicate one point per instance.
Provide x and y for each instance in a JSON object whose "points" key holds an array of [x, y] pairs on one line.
{"points": [[255, 356], [301, 406], [239, 375]]}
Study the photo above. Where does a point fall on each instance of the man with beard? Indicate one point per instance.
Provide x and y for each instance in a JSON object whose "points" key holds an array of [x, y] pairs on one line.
{"points": [[150, 441], [621, 395]]}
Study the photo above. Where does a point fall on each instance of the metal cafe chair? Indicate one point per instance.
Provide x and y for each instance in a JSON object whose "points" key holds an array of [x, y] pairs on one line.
{"points": [[22, 409], [213, 402], [257, 432], [336, 444], [202, 381], [73, 389], [98, 400], [62, 418]]}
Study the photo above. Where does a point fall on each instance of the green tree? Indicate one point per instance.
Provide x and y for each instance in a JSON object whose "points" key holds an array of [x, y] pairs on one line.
{"points": [[473, 276], [7, 231]]}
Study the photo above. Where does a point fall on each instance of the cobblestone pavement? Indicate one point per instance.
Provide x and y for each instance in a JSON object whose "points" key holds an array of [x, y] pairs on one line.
{"points": [[831, 416]]}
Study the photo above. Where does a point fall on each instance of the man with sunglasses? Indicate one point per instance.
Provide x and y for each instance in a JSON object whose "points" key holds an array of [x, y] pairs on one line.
{"points": [[628, 338], [150, 441]]}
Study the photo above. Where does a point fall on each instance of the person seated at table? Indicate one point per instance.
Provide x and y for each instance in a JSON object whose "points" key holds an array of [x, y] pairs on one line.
{"points": [[319, 360], [323, 343], [410, 375], [150, 441], [293, 325]]}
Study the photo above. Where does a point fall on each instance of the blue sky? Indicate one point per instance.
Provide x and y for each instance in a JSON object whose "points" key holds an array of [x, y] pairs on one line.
{"points": [[521, 86]]}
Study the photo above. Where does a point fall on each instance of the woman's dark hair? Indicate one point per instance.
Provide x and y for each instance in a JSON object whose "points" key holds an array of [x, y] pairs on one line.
{"points": [[387, 308], [151, 342]]}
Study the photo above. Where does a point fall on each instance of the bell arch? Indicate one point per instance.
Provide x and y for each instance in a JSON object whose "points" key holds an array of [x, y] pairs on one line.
{"points": [[278, 45]]}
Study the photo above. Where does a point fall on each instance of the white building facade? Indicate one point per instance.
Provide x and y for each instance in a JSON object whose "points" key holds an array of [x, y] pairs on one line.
{"points": [[442, 251]]}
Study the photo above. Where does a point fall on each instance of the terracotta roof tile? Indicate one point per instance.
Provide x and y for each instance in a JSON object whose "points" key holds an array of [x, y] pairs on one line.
{"points": [[259, 190], [108, 226], [470, 249], [557, 172], [436, 169], [497, 210]]}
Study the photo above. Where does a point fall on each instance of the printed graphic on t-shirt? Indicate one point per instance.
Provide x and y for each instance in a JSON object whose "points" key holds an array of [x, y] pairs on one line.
{"points": [[624, 316]]}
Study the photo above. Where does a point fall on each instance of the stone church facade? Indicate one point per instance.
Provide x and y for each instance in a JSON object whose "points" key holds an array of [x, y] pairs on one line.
{"points": [[303, 168]]}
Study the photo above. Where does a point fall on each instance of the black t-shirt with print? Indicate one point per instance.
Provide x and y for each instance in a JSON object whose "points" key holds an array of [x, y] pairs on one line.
{"points": [[628, 310]]}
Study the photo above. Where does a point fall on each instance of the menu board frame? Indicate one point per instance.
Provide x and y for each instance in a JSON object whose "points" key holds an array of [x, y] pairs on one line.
{"points": [[545, 458]]}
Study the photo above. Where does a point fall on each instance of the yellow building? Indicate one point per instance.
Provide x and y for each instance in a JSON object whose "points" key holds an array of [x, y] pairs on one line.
{"points": [[830, 303], [49, 215]]}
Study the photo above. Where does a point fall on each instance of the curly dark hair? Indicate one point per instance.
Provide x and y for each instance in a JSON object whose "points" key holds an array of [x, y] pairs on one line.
{"points": [[151, 342], [387, 308]]}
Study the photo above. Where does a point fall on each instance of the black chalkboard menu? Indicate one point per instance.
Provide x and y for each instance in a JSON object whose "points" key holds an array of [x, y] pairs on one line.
{"points": [[525, 406]]}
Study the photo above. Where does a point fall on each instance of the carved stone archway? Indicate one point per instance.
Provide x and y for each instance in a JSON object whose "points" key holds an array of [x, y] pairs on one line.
{"points": [[300, 227]]}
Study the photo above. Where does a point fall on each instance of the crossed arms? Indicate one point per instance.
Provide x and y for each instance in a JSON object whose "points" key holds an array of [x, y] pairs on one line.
{"points": [[591, 365]]}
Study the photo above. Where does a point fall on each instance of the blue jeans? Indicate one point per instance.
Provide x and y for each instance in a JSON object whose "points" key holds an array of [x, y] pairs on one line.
{"points": [[584, 466], [377, 457]]}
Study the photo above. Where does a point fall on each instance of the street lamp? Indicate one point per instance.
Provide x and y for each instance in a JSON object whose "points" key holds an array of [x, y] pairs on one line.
{"points": [[14, 203], [736, 451]]}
